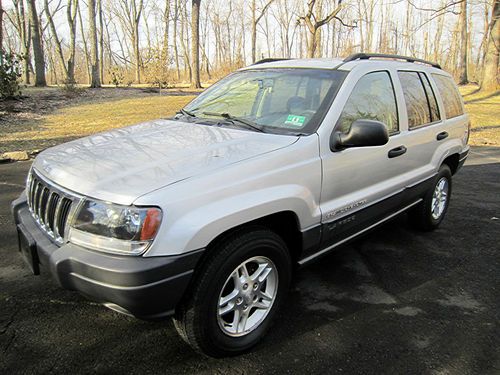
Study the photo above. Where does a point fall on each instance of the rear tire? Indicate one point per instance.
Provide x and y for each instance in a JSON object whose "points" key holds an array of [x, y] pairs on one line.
{"points": [[429, 214], [227, 310]]}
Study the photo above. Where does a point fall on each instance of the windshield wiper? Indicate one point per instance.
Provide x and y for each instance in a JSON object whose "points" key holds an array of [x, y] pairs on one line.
{"points": [[185, 112], [228, 116]]}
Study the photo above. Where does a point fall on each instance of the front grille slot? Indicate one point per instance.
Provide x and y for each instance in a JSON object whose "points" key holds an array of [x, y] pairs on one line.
{"points": [[49, 206], [63, 215], [51, 210]]}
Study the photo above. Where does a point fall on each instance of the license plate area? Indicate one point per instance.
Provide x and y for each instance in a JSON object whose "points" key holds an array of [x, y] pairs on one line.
{"points": [[27, 247]]}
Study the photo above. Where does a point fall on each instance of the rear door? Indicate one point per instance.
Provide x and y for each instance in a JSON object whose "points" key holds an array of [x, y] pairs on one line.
{"points": [[435, 127], [423, 119], [452, 108]]}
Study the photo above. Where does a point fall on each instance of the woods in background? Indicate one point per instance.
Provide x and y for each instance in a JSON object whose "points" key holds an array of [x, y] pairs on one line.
{"points": [[164, 42]]}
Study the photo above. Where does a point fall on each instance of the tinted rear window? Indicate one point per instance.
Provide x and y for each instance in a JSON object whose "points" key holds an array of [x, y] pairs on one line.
{"points": [[417, 105], [451, 98]]}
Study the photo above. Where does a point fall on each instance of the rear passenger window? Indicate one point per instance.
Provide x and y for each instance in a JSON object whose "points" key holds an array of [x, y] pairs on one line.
{"points": [[371, 99], [421, 104], [450, 96]]}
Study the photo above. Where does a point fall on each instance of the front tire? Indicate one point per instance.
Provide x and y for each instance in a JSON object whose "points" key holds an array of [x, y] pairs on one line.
{"points": [[236, 293], [429, 214]]}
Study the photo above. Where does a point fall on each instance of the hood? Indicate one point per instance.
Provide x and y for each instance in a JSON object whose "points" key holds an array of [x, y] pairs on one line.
{"points": [[121, 165]]}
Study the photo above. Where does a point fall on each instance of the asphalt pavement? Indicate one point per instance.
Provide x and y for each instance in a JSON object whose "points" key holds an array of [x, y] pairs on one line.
{"points": [[395, 302]]}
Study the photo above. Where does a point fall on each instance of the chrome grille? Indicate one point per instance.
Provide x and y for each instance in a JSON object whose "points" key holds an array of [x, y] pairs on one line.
{"points": [[50, 206]]}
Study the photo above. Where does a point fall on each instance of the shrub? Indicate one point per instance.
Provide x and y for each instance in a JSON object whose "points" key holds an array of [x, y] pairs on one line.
{"points": [[71, 88], [116, 76], [10, 72], [156, 70]]}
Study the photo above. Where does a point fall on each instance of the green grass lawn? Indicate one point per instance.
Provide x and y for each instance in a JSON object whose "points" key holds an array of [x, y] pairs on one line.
{"points": [[46, 117], [484, 112], [84, 119]]}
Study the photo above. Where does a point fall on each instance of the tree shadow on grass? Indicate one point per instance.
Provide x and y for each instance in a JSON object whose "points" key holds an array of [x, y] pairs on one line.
{"points": [[488, 96]]}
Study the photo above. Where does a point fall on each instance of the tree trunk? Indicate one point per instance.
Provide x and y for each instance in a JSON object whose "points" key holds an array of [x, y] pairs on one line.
{"points": [[136, 18], [38, 55], [71, 10], [314, 22], [24, 32], [101, 40], [176, 49], [1, 33], [85, 48], [137, 56], [463, 45], [490, 81], [95, 79], [311, 46], [195, 46], [184, 38], [166, 21], [254, 33], [55, 37]]}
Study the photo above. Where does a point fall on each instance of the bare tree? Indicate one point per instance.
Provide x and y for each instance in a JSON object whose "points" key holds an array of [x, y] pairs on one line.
{"points": [[1, 32], [71, 13], [285, 16], [195, 46], [176, 49], [190, 43], [101, 39], [314, 22], [22, 26], [255, 21], [85, 47], [166, 31], [184, 39], [37, 45], [95, 80], [490, 80], [71, 9], [464, 42], [129, 14]]}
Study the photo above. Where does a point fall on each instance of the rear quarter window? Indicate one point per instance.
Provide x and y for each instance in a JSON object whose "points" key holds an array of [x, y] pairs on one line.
{"points": [[449, 94]]}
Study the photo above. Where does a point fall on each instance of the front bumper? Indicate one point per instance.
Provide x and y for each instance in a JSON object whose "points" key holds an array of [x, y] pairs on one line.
{"points": [[145, 287]]}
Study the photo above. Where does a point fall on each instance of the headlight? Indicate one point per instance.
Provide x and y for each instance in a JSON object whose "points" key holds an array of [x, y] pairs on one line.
{"points": [[114, 228]]}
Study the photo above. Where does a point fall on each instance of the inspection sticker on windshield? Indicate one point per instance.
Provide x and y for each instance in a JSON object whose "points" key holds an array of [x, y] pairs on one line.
{"points": [[295, 120]]}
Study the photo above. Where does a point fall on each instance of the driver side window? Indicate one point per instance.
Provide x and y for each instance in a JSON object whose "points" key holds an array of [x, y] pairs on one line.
{"points": [[372, 98]]}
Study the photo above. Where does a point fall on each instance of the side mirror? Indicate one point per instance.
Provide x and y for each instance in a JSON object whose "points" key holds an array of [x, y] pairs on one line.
{"points": [[362, 133]]}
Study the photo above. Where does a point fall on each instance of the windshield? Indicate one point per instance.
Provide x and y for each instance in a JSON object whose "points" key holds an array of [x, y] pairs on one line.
{"points": [[284, 101]]}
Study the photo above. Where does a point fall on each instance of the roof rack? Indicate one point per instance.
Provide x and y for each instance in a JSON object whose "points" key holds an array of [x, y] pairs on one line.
{"points": [[270, 59], [367, 56]]}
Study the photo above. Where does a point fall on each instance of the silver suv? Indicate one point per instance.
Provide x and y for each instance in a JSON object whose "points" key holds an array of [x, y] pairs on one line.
{"points": [[203, 216]]}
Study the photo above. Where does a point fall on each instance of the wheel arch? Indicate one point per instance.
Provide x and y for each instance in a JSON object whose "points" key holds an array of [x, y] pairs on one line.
{"points": [[452, 161], [283, 223]]}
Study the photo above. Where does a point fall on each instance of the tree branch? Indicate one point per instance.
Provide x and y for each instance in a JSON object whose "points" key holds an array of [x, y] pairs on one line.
{"points": [[263, 11], [353, 26]]}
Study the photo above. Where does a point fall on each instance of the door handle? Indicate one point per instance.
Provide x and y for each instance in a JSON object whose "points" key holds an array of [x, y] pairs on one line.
{"points": [[398, 151], [442, 136]]}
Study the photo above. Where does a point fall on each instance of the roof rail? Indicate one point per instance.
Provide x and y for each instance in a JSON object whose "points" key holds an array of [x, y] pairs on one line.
{"points": [[270, 59], [366, 56]]}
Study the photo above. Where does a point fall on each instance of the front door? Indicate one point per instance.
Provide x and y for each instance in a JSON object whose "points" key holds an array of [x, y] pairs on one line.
{"points": [[361, 184]]}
